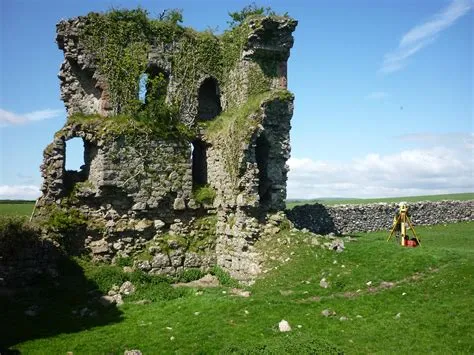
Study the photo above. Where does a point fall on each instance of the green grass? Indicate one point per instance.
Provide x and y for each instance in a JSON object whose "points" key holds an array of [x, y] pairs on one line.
{"points": [[433, 294], [338, 201], [16, 208]]}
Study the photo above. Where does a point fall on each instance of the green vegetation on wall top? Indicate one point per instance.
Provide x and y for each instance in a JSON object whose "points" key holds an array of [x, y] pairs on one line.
{"points": [[251, 11], [123, 126], [120, 41], [233, 128]]}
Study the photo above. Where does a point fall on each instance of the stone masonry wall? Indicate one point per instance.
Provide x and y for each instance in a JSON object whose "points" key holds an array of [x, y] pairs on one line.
{"points": [[260, 189], [134, 195], [344, 219]]}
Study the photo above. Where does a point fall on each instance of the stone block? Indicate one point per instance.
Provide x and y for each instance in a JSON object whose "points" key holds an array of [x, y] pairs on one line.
{"points": [[179, 204], [160, 261]]}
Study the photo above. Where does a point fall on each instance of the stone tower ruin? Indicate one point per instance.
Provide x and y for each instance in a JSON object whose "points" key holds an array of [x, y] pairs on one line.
{"points": [[193, 188]]}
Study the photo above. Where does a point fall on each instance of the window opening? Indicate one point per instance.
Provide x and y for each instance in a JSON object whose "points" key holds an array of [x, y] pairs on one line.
{"points": [[74, 154], [199, 163], [142, 87], [209, 101]]}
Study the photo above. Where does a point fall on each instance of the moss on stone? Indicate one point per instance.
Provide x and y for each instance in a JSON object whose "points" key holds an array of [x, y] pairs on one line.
{"points": [[232, 129], [204, 194], [109, 128], [61, 220], [144, 255]]}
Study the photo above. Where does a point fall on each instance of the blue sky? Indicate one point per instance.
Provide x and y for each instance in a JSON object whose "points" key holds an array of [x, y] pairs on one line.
{"points": [[384, 92]]}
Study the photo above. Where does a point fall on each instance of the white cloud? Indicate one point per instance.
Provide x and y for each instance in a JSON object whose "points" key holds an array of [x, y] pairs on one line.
{"points": [[377, 95], [7, 117], [43, 114], [422, 171], [10, 118], [422, 35], [19, 192]]}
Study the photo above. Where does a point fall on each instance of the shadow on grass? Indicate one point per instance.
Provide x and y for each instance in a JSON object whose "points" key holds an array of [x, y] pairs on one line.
{"points": [[49, 306]]}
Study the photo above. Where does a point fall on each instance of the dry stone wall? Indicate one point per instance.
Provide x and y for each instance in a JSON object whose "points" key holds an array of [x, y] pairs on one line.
{"points": [[345, 219]]}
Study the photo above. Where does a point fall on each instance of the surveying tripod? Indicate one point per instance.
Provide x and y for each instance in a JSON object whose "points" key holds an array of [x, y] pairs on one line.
{"points": [[403, 220]]}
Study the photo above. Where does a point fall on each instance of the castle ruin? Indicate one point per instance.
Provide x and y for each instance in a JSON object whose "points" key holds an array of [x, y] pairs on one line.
{"points": [[193, 187]]}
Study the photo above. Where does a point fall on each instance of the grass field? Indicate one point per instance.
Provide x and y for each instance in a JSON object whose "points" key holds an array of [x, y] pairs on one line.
{"points": [[16, 208], [25, 208], [392, 300], [336, 201]]}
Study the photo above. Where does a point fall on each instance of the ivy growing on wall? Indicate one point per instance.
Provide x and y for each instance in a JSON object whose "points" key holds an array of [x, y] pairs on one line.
{"points": [[120, 40]]}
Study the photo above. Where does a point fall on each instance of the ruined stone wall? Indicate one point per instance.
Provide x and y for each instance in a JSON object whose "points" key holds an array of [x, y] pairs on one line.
{"points": [[346, 219], [132, 193], [83, 88], [146, 176], [259, 188], [134, 197]]}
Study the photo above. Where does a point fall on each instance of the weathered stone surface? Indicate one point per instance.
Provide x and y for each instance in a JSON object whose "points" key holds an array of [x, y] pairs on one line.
{"points": [[99, 247], [284, 326], [132, 352], [143, 224], [323, 283], [328, 313], [179, 204], [337, 245], [160, 261], [108, 300], [241, 293], [127, 288], [206, 281], [144, 265], [159, 224]]}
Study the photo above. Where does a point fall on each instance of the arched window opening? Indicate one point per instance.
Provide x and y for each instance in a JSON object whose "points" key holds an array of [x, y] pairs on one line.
{"points": [[209, 101], [264, 183], [199, 163]]}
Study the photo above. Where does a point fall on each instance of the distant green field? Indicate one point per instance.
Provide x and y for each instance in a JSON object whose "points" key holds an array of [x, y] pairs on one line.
{"points": [[24, 208], [16, 208], [355, 201]]}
